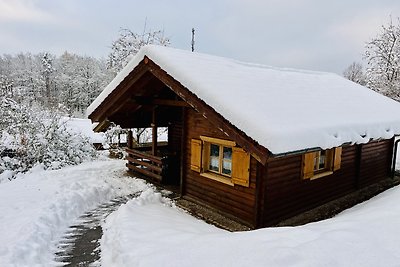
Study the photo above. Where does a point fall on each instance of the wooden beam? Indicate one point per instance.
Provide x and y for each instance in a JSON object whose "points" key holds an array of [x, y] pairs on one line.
{"points": [[159, 102], [148, 165], [114, 101], [154, 133], [130, 138], [169, 102], [101, 126], [145, 172]]}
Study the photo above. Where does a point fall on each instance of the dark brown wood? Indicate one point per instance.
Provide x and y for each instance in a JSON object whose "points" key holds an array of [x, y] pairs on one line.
{"points": [[154, 133], [160, 102], [130, 139], [144, 155], [146, 164], [183, 152], [286, 194], [169, 102], [235, 200], [118, 96], [102, 125], [376, 157], [145, 172]]}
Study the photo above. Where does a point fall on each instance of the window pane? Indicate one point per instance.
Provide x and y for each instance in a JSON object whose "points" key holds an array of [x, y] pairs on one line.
{"points": [[214, 158], [227, 167], [228, 153], [214, 150], [214, 164], [322, 158]]}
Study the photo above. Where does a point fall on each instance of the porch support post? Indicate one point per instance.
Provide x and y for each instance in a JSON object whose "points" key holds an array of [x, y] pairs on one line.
{"points": [[154, 133], [130, 139]]}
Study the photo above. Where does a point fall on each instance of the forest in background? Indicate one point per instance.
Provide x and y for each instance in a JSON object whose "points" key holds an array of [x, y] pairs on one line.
{"points": [[37, 92], [66, 83]]}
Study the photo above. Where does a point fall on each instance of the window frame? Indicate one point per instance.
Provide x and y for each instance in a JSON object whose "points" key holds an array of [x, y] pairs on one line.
{"points": [[206, 157], [221, 160], [311, 160], [239, 161]]}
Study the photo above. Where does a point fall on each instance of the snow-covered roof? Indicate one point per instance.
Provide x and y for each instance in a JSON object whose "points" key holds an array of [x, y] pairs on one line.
{"points": [[282, 109]]}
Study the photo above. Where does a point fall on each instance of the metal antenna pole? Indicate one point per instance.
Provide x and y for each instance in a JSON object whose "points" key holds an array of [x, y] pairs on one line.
{"points": [[192, 39]]}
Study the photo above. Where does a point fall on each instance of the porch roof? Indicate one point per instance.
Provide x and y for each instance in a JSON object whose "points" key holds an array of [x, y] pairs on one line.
{"points": [[283, 110]]}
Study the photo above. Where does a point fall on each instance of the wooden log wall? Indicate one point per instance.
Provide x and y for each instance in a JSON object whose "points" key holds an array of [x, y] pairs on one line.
{"points": [[237, 201], [286, 194], [175, 130], [375, 161]]}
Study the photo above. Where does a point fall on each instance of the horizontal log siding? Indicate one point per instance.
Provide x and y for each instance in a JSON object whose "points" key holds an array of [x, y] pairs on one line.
{"points": [[237, 201], [375, 161], [175, 130], [286, 194]]}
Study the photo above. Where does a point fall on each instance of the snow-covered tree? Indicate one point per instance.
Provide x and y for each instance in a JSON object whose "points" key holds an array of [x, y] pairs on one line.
{"points": [[47, 71], [29, 136], [355, 73], [68, 83], [383, 61], [129, 43]]}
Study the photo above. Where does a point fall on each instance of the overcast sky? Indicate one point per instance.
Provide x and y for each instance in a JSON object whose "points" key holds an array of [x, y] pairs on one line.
{"points": [[325, 35]]}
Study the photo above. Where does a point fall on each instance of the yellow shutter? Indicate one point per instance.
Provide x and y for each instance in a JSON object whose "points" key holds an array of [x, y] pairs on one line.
{"points": [[240, 166], [308, 165], [195, 157], [337, 158]]}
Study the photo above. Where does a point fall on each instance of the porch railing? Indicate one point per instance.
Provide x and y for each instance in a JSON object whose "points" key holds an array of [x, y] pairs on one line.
{"points": [[145, 163]]}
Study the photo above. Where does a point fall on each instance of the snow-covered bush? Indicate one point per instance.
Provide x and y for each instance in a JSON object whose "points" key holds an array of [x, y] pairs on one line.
{"points": [[29, 137]]}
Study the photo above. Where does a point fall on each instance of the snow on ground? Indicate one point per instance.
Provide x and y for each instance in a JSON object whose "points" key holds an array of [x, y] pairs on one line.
{"points": [[149, 231], [37, 207]]}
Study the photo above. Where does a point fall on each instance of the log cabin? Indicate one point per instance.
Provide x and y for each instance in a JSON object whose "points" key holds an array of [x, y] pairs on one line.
{"points": [[259, 144]]}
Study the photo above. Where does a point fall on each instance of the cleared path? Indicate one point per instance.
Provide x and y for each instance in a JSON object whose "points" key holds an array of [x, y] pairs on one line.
{"points": [[80, 245]]}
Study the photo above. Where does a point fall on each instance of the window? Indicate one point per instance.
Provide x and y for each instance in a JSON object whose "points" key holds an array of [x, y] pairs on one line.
{"points": [[321, 163], [322, 160], [220, 160]]}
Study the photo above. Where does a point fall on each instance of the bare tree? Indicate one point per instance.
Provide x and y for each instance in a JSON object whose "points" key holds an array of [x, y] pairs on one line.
{"points": [[129, 43], [355, 73], [383, 61]]}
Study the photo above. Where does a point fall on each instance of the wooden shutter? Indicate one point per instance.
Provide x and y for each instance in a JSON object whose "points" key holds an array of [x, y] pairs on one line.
{"points": [[195, 157], [308, 165], [337, 158], [240, 167]]}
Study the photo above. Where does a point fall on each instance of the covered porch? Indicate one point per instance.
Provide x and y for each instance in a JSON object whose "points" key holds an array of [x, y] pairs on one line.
{"points": [[146, 102]]}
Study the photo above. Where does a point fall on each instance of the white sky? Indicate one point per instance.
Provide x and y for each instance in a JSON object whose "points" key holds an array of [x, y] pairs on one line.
{"points": [[309, 34]]}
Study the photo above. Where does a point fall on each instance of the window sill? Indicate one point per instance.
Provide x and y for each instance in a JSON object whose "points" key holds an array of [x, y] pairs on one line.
{"points": [[322, 174], [217, 178]]}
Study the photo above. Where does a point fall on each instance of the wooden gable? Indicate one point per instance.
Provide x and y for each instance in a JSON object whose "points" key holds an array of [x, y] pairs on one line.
{"points": [[148, 81]]}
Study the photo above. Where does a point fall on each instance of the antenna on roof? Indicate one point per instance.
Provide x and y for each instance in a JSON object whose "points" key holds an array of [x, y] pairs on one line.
{"points": [[192, 39]]}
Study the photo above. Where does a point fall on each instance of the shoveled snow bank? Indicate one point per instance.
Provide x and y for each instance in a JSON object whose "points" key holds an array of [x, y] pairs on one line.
{"points": [[282, 109], [38, 206], [149, 232]]}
